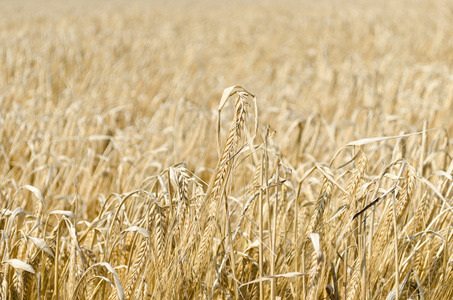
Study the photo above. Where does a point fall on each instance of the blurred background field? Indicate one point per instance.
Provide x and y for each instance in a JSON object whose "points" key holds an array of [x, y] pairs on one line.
{"points": [[98, 100]]}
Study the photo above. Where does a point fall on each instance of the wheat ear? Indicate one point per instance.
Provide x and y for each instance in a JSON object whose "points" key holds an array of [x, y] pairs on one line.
{"points": [[323, 199], [316, 267], [420, 214], [220, 178], [136, 269]]}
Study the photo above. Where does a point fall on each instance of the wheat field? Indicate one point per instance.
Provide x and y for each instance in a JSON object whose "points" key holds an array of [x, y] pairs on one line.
{"points": [[239, 150]]}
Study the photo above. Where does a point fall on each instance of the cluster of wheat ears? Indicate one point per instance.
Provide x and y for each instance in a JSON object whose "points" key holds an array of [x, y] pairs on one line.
{"points": [[125, 173]]}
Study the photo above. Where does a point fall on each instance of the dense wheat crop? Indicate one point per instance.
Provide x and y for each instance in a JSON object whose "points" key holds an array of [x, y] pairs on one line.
{"points": [[130, 170]]}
